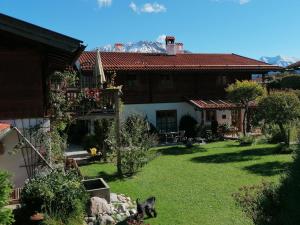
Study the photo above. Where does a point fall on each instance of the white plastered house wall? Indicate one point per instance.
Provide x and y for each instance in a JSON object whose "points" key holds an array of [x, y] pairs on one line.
{"points": [[182, 108], [13, 161]]}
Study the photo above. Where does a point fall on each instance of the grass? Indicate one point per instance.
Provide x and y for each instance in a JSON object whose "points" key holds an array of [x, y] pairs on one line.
{"points": [[195, 185]]}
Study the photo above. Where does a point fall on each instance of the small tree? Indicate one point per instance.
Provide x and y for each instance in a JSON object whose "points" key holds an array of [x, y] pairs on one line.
{"points": [[5, 191], [280, 108], [243, 93], [132, 148]]}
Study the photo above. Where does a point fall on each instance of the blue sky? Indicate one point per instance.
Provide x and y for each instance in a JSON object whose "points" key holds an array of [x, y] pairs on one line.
{"points": [[251, 28]]}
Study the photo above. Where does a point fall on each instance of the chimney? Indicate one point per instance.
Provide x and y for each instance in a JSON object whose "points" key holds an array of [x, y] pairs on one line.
{"points": [[119, 47], [170, 45], [179, 48]]}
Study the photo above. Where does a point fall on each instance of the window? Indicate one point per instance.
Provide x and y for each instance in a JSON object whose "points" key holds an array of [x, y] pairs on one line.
{"points": [[166, 120], [210, 115], [131, 81], [221, 81], [166, 81], [224, 116]]}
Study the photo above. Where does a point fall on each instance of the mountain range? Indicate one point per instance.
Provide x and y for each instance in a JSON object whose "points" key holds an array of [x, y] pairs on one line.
{"points": [[279, 60], [159, 47]]}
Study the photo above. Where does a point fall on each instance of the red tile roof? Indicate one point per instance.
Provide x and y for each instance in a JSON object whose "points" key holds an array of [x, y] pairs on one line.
{"points": [[3, 127], [294, 65], [151, 61], [216, 104]]}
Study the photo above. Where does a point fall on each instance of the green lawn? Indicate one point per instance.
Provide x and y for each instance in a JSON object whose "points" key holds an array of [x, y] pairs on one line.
{"points": [[195, 186]]}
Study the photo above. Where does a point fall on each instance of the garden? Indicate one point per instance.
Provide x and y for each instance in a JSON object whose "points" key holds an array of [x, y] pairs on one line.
{"points": [[195, 185], [251, 180]]}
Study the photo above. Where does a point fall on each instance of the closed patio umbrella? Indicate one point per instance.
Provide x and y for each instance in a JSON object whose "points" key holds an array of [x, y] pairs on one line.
{"points": [[99, 72]]}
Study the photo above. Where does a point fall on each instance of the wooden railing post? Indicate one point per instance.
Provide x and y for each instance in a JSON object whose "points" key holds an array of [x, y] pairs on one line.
{"points": [[117, 127]]}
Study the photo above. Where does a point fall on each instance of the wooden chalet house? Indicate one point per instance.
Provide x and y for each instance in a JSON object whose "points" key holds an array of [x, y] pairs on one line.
{"points": [[163, 87], [29, 54], [295, 68]]}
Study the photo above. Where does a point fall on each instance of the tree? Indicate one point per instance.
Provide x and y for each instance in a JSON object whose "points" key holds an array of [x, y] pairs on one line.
{"points": [[280, 108], [6, 217], [243, 93], [131, 149]]}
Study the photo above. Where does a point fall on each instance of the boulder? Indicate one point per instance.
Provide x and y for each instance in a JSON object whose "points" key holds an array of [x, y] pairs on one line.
{"points": [[99, 206], [113, 197], [106, 220]]}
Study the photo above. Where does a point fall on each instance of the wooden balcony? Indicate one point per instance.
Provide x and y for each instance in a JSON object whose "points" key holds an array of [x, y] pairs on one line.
{"points": [[94, 103]]}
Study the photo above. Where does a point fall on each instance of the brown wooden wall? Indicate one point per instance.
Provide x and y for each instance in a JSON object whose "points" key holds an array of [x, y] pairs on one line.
{"points": [[150, 88], [21, 85]]}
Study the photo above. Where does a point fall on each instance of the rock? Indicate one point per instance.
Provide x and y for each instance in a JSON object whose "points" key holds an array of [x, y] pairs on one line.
{"points": [[132, 211], [122, 198], [113, 197], [119, 217], [122, 208], [90, 219], [127, 214], [107, 220], [99, 206]]}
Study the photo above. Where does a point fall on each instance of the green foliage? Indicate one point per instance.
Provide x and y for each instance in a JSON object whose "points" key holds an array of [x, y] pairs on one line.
{"points": [[280, 108], [286, 81], [259, 202], [56, 194], [5, 191], [134, 142], [247, 140], [189, 125], [244, 92]]}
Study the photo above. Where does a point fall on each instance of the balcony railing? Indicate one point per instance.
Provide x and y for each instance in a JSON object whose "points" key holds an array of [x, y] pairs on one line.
{"points": [[90, 102]]}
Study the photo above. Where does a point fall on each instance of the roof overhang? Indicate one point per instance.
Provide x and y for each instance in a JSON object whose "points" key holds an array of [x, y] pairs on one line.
{"points": [[216, 104], [4, 130], [61, 49]]}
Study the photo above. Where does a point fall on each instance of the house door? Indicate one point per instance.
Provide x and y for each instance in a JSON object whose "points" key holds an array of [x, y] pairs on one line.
{"points": [[236, 118]]}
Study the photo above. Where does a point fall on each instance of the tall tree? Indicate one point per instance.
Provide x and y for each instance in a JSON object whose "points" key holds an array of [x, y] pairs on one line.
{"points": [[280, 108], [243, 93]]}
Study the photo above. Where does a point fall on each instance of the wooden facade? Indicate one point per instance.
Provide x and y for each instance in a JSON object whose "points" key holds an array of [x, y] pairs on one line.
{"points": [[142, 87], [28, 56]]}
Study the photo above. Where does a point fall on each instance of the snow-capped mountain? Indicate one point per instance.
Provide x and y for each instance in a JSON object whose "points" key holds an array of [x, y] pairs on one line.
{"points": [[140, 46], [279, 60]]}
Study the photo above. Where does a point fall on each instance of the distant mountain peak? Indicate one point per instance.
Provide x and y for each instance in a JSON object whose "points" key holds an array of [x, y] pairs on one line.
{"points": [[279, 60], [139, 46]]}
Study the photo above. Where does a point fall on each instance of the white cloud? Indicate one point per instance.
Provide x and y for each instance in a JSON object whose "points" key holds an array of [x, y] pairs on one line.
{"points": [[134, 7], [104, 3], [148, 8], [153, 8], [161, 38]]}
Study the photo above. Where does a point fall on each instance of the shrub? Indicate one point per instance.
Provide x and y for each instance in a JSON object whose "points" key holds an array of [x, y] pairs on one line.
{"points": [[131, 150], [280, 108], [247, 140], [259, 202], [189, 124], [5, 191], [56, 194]]}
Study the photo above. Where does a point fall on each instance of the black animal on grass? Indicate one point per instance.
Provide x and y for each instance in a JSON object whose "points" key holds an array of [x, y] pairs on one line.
{"points": [[147, 207]]}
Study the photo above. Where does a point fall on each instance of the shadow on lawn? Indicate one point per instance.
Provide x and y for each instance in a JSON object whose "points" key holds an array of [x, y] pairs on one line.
{"points": [[108, 177], [269, 168], [181, 150], [244, 155]]}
